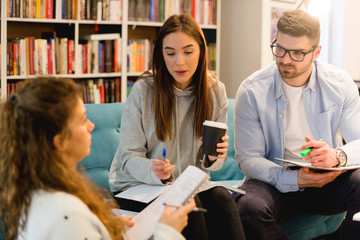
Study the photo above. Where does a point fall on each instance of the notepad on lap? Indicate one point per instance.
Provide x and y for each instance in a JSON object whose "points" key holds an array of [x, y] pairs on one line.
{"points": [[182, 189], [142, 193], [301, 163]]}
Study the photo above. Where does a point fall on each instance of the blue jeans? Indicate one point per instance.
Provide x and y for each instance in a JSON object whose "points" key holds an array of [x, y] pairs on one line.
{"points": [[263, 206]]}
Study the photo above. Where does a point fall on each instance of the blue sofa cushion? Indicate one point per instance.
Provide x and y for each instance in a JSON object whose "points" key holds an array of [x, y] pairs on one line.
{"points": [[307, 226], [105, 140]]}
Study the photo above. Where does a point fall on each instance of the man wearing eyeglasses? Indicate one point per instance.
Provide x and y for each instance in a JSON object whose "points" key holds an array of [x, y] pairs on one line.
{"points": [[288, 107]]}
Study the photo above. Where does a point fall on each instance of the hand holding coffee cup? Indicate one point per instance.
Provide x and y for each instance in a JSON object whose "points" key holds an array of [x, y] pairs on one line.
{"points": [[212, 135]]}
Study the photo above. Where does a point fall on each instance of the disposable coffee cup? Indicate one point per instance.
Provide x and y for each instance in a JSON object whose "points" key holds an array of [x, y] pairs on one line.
{"points": [[212, 134]]}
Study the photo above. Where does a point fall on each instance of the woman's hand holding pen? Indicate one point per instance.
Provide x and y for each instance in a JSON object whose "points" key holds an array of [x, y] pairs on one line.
{"points": [[162, 168], [322, 155], [177, 219]]}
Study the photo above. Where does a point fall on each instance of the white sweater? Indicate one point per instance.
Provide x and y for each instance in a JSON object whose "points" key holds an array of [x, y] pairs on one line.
{"points": [[59, 216]]}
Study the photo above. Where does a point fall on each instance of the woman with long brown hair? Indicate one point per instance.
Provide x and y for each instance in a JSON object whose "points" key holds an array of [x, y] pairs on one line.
{"points": [[165, 110], [44, 134]]}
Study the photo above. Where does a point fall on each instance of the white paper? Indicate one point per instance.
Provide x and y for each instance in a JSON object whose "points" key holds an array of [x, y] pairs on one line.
{"points": [[307, 164], [120, 212], [183, 188], [356, 216], [142, 193], [211, 184]]}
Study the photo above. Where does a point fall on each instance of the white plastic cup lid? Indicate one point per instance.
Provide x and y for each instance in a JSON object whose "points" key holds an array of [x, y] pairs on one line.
{"points": [[215, 124]]}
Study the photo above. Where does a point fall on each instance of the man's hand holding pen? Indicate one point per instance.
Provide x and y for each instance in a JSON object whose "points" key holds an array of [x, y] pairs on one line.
{"points": [[321, 155]]}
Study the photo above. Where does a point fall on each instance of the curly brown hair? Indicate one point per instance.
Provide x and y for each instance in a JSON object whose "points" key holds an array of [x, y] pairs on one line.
{"points": [[29, 120]]}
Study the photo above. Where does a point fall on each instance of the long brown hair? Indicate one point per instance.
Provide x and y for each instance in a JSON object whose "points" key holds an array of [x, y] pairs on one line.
{"points": [[29, 120], [163, 81]]}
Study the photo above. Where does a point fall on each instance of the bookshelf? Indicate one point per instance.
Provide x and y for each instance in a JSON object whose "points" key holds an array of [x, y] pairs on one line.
{"points": [[20, 26]]}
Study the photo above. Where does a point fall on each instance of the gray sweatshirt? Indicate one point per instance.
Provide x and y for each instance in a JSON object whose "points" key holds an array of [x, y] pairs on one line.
{"points": [[139, 144]]}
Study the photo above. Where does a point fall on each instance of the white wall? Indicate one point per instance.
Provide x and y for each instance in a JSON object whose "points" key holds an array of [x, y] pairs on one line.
{"points": [[245, 39], [351, 40], [240, 41]]}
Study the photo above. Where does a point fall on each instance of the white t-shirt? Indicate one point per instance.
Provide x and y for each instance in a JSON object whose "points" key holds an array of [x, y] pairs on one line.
{"points": [[296, 125], [59, 215]]}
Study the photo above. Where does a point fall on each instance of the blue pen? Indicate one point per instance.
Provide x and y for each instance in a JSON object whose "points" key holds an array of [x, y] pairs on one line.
{"points": [[164, 154]]}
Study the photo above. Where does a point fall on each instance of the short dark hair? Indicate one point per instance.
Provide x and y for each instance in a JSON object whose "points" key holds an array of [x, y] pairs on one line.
{"points": [[299, 23]]}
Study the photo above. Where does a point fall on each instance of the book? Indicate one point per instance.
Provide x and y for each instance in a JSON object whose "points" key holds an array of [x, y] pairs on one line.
{"points": [[108, 58], [178, 193], [63, 56], [103, 36], [302, 163]]}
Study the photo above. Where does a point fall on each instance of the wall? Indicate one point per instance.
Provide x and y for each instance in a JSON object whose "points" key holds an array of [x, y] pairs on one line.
{"points": [[351, 40], [245, 39], [240, 41]]}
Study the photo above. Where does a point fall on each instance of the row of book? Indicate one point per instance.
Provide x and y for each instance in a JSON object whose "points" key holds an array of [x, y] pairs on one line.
{"points": [[31, 8], [36, 56], [94, 91], [98, 53], [101, 90], [109, 10], [203, 11], [139, 55], [66, 9]]}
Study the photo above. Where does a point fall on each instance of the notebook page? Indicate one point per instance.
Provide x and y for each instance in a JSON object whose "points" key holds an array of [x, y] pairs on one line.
{"points": [[183, 188]]}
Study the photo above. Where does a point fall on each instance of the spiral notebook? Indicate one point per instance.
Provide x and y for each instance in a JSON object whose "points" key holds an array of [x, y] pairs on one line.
{"points": [[182, 189]]}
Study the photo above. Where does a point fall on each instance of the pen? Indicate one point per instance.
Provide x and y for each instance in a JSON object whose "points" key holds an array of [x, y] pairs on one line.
{"points": [[196, 209], [164, 154], [308, 150]]}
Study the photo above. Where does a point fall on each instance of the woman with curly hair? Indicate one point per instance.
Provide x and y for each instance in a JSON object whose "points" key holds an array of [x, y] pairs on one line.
{"points": [[44, 134]]}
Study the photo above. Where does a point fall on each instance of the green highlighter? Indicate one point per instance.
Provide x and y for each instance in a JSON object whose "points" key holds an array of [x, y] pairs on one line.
{"points": [[308, 150]]}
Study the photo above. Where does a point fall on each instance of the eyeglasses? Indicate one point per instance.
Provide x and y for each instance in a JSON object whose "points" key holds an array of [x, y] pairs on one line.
{"points": [[296, 55]]}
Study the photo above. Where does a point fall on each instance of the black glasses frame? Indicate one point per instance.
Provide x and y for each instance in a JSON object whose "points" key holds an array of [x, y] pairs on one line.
{"points": [[289, 51]]}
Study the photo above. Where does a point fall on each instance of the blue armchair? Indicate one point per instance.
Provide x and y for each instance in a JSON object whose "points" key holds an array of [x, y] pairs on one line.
{"points": [[105, 139]]}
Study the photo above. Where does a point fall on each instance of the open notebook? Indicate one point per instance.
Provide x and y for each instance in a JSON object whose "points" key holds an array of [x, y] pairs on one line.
{"points": [[178, 193], [302, 163]]}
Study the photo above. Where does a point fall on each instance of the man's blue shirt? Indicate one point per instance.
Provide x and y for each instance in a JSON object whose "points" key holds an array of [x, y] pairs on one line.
{"points": [[331, 101]]}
